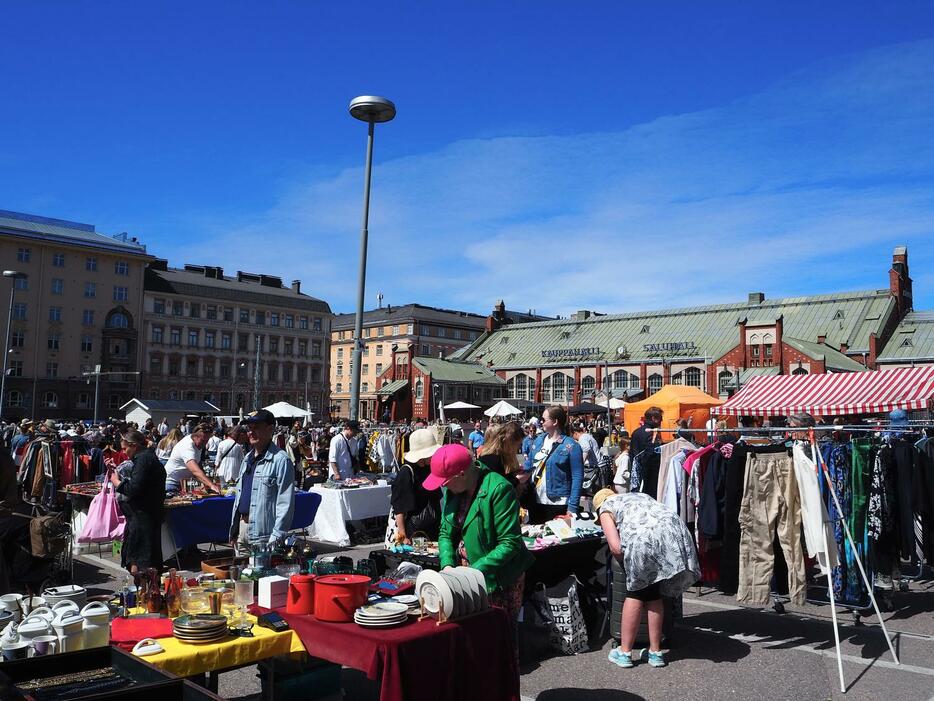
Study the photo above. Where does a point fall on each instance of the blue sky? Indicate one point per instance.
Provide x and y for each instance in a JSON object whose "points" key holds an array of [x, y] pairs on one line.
{"points": [[611, 156]]}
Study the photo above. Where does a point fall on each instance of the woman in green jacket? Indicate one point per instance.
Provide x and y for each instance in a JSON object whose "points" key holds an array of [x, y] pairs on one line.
{"points": [[480, 524]]}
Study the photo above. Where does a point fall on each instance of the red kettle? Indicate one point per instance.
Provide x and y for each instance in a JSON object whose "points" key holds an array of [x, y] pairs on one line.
{"points": [[301, 594]]}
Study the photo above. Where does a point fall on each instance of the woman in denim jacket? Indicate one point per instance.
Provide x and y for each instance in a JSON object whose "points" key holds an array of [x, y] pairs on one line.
{"points": [[554, 470]]}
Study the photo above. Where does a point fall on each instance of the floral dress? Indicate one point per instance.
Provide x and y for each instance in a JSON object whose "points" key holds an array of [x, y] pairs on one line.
{"points": [[657, 546]]}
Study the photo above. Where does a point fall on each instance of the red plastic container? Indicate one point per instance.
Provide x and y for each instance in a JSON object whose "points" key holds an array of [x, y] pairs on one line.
{"points": [[301, 594], [337, 596]]}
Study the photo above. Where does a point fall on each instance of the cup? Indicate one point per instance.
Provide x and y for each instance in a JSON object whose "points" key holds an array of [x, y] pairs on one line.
{"points": [[215, 598], [13, 604], [130, 596], [44, 645], [16, 651]]}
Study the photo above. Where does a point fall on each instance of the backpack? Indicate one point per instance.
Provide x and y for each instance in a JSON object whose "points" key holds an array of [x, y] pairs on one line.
{"points": [[598, 476], [48, 535]]}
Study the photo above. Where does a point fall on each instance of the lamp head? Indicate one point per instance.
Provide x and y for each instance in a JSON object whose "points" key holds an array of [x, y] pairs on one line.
{"points": [[372, 108], [14, 274]]}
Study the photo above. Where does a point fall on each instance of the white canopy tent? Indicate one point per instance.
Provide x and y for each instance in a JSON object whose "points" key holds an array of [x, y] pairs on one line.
{"points": [[460, 405], [284, 410], [502, 408], [614, 403]]}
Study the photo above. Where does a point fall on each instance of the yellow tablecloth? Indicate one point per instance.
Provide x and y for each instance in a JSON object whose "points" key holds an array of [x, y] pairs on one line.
{"points": [[186, 659]]}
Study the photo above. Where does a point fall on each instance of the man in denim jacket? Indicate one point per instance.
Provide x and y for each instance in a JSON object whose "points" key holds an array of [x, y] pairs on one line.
{"points": [[265, 500]]}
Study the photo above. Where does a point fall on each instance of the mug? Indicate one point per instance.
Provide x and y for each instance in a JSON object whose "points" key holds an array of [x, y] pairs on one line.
{"points": [[16, 651], [13, 604], [44, 645]]}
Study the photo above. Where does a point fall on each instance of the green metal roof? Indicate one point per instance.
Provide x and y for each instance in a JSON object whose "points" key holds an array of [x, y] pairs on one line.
{"points": [[746, 375], [392, 387], [833, 359], [448, 371], [913, 339], [848, 317]]}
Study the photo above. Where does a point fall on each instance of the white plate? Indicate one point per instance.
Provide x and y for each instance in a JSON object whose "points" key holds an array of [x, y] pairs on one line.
{"points": [[472, 587], [407, 599], [381, 621], [468, 605], [433, 589], [382, 625], [463, 602], [481, 586], [383, 609]]}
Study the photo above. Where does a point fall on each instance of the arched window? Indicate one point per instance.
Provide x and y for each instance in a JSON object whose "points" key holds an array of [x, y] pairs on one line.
{"points": [[799, 371], [692, 377], [14, 398], [546, 389], [118, 320], [677, 378], [521, 382], [531, 391], [560, 384], [50, 400], [588, 385], [623, 379], [419, 389], [724, 379], [655, 382]]}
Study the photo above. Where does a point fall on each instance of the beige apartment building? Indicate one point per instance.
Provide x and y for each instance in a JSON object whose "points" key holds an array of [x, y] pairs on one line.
{"points": [[78, 307], [202, 329]]}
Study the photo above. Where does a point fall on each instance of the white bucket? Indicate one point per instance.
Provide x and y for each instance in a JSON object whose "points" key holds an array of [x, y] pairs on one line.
{"points": [[34, 626], [69, 627], [69, 592], [96, 625], [31, 603]]}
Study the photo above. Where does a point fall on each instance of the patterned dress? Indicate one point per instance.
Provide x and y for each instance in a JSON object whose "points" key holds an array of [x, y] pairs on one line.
{"points": [[657, 546]]}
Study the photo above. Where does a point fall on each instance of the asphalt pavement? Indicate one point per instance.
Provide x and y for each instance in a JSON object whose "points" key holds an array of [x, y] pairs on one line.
{"points": [[719, 651]]}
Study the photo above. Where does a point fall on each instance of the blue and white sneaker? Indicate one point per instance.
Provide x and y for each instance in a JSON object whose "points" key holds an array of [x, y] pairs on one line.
{"points": [[656, 659], [620, 658]]}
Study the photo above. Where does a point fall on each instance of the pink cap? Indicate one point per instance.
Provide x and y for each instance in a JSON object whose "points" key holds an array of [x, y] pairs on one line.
{"points": [[447, 462]]}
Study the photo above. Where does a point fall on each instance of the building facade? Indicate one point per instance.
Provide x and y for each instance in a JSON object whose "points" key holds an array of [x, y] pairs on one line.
{"points": [[716, 348], [207, 335], [412, 330], [77, 311]]}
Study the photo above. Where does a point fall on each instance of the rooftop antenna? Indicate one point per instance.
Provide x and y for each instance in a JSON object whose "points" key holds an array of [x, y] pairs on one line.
{"points": [[379, 300]]}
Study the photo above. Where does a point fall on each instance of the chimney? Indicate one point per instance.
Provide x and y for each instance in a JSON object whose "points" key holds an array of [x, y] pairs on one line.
{"points": [[777, 354], [844, 348], [822, 338], [756, 297], [497, 317], [900, 281], [297, 286]]}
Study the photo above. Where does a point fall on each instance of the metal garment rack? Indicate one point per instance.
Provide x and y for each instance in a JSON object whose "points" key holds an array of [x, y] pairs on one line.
{"points": [[821, 466]]}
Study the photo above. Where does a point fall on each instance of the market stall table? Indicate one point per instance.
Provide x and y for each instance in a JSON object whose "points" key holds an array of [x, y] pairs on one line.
{"points": [[464, 660], [338, 506]]}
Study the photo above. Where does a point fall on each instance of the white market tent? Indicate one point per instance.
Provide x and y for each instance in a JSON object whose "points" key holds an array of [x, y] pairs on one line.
{"points": [[284, 410], [614, 403], [502, 408], [460, 405]]}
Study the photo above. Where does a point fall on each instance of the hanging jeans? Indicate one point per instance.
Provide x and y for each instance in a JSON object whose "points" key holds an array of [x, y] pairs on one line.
{"points": [[770, 505]]}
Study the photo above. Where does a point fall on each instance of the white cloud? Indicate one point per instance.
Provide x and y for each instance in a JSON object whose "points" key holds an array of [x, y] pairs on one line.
{"points": [[800, 188]]}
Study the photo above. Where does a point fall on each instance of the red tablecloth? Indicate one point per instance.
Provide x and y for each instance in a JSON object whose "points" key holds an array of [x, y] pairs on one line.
{"points": [[466, 660]]}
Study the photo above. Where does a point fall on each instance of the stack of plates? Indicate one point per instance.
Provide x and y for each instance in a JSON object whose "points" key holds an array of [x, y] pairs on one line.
{"points": [[455, 592], [408, 600], [381, 615], [200, 628]]}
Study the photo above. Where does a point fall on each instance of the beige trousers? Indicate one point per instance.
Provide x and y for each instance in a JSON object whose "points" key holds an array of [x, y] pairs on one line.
{"points": [[770, 504]]}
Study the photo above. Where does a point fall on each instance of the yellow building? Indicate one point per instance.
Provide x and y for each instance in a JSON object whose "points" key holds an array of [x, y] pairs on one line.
{"points": [[78, 306]]}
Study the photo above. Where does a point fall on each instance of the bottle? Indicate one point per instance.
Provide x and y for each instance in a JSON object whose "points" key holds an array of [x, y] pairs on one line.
{"points": [[156, 603], [173, 600]]}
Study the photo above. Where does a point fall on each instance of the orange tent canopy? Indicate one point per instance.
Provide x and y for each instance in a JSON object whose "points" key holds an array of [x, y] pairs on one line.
{"points": [[677, 402]]}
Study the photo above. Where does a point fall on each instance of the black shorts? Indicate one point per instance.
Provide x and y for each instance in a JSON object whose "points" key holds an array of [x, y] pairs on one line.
{"points": [[649, 593]]}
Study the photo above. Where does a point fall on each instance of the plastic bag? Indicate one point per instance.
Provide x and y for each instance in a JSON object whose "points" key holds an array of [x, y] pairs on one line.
{"points": [[105, 522], [568, 627]]}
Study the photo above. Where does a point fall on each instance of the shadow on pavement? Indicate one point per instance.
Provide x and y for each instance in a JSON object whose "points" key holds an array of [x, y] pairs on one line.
{"points": [[691, 644], [569, 694]]}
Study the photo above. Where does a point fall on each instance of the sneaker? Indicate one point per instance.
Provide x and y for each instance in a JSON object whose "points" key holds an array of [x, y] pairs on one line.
{"points": [[620, 658], [656, 659]]}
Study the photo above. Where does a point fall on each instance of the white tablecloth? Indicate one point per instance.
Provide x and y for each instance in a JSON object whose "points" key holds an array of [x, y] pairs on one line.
{"points": [[341, 505]]}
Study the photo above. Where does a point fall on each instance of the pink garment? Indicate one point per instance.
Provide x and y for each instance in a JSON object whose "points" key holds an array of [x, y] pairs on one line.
{"points": [[689, 461]]}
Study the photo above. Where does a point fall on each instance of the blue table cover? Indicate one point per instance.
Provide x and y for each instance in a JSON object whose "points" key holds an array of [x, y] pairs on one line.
{"points": [[208, 520]]}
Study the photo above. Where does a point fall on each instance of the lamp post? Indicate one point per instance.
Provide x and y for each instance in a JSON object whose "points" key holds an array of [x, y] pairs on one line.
{"points": [[257, 372], [14, 275], [372, 110]]}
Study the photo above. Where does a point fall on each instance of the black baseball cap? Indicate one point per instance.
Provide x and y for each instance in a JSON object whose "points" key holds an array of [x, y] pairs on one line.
{"points": [[260, 416]]}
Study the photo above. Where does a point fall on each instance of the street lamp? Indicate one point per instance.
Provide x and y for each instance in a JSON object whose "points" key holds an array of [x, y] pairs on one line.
{"points": [[15, 275], [372, 110]]}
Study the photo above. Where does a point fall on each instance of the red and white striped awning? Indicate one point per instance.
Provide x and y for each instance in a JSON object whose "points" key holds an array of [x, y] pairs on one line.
{"points": [[833, 394]]}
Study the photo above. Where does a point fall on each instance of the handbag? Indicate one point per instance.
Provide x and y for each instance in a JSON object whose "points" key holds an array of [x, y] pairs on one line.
{"points": [[105, 522], [568, 626]]}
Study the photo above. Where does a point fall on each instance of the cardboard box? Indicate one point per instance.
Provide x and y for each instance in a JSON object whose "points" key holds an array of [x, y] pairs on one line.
{"points": [[272, 591]]}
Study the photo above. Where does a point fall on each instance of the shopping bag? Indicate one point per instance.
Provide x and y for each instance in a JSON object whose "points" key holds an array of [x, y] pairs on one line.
{"points": [[568, 627], [105, 522]]}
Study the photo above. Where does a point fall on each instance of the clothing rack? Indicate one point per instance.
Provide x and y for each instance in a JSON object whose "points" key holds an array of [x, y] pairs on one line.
{"points": [[821, 466]]}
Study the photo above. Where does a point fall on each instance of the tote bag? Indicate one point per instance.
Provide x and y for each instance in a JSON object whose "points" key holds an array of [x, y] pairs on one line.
{"points": [[105, 522]]}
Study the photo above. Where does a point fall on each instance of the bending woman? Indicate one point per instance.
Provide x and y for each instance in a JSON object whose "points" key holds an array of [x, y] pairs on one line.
{"points": [[658, 557]]}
